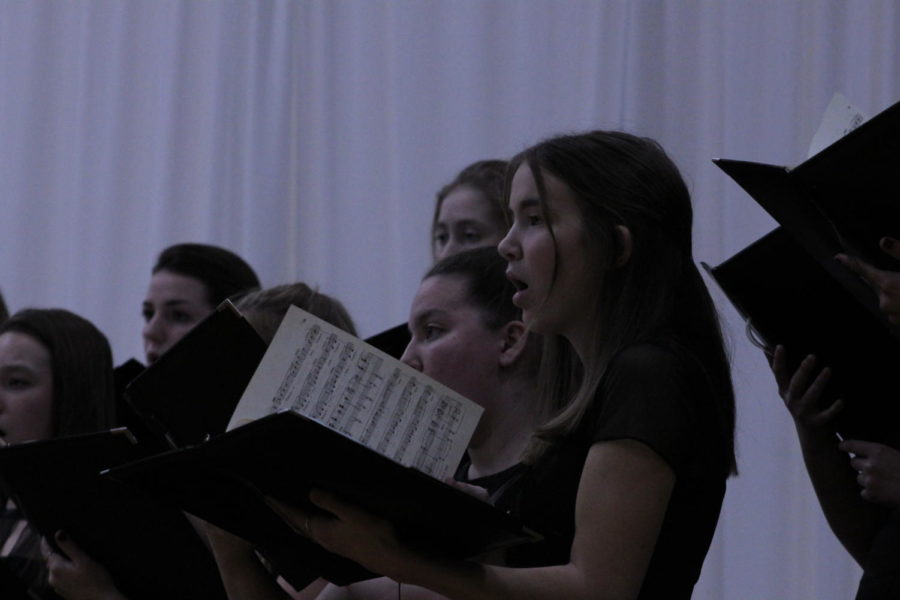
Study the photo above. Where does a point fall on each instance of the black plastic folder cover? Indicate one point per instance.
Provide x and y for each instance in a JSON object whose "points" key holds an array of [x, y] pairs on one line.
{"points": [[284, 455], [843, 199], [392, 341], [149, 548], [789, 298], [190, 392]]}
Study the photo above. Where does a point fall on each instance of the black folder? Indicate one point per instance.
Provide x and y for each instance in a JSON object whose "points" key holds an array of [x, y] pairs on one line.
{"points": [[12, 587], [126, 416], [284, 455], [843, 199], [150, 549], [391, 341], [190, 392], [789, 298]]}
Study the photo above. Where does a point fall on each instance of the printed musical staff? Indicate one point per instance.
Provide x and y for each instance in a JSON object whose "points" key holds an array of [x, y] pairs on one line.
{"points": [[339, 381]]}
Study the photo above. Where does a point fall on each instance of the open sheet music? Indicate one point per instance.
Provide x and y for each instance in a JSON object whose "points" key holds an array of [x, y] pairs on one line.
{"points": [[841, 200], [840, 118], [325, 410], [339, 381]]}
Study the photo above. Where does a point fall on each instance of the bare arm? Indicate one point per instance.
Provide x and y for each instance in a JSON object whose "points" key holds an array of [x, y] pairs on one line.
{"points": [[244, 576], [622, 498], [853, 520], [380, 588]]}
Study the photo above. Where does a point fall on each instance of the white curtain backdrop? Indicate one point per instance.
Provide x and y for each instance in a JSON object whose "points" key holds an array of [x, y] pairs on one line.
{"points": [[310, 137]]}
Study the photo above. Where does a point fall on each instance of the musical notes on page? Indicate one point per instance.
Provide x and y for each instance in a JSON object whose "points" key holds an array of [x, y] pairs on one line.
{"points": [[343, 383]]}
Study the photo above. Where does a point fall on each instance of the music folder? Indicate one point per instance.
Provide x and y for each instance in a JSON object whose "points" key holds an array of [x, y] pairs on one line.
{"points": [[149, 548], [844, 198], [190, 392], [284, 455], [787, 297], [322, 409], [392, 341]]}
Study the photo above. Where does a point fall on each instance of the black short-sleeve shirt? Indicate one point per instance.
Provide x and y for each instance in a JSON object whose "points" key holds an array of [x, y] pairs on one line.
{"points": [[659, 396]]}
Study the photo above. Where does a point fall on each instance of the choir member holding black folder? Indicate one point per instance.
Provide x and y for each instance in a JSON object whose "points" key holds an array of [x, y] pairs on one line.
{"points": [[631, 467], [188, 281], [625, 473], [466, 333], [55, 380], [806, 292], [859, 493], [185, 396]]}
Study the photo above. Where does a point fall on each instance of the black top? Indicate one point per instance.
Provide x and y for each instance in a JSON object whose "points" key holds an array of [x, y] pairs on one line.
{"points": [[493, 483], [881, 571], [660, 397]]}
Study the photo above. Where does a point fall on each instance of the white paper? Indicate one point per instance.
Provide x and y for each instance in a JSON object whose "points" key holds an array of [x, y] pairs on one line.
{"points": [[336, 379], [840, 118]]}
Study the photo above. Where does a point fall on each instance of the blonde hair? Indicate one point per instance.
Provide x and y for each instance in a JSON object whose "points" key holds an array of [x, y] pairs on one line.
{"points": [[265, 309]]}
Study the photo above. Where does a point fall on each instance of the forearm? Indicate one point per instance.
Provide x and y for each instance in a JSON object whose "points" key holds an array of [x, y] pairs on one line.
{"points": [[466, 580], [243, 575], [851, 518], [622, 499], [107, 594]]}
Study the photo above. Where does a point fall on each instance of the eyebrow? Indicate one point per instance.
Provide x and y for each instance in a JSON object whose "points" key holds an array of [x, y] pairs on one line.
{"points": [[17, 367], [460, 223], [173, 302], [428, 314], [467, 223], [529, 202]]}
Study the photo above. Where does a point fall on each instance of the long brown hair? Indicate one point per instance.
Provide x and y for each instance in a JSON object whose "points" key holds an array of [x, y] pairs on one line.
{"points": [[620, 179]]}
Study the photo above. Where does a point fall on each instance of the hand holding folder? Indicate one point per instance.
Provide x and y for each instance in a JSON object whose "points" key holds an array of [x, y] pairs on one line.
{"points": [[788, 298], [791, 289], [325, 410], [149, 548], [885, 283]]}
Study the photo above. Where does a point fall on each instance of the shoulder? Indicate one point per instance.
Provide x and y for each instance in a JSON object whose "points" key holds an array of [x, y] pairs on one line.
{"points": [[657, 365], [652, 393]]}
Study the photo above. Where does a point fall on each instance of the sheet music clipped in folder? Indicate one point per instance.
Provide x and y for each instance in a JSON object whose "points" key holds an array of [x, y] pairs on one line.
{"points": [[339, 381]]}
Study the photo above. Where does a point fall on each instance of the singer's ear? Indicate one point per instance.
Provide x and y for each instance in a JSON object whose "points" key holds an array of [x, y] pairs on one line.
{"points": [[624, 238], [514, 343]]}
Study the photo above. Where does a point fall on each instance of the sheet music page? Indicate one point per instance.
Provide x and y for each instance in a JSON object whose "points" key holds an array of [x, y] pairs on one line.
{"points": [[336, 379], [840, 118]]}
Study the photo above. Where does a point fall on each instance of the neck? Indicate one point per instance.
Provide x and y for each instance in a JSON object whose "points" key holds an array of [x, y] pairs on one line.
{"points": [[504, 431]]}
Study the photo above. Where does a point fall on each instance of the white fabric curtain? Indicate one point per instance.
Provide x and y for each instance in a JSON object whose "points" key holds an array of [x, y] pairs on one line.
{"points": [[310, 137]]}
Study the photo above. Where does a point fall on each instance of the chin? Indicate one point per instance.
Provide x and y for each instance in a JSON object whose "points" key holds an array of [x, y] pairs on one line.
{"points": [[534, 323]]}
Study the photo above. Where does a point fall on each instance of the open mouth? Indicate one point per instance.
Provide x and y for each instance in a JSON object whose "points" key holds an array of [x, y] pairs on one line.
{"points": [[517, 283], [520, 286]]}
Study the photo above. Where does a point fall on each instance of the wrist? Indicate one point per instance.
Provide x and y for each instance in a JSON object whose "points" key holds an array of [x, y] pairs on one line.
{"points": [[407, 566], [816, 436]]}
